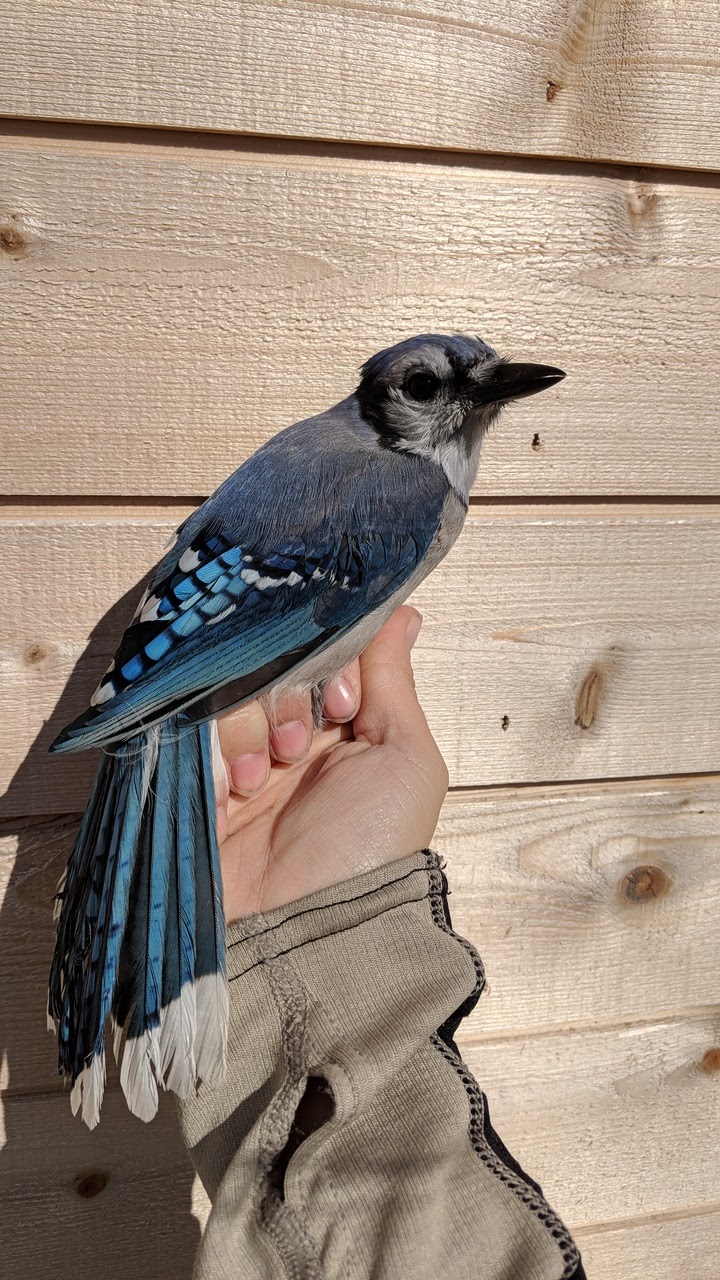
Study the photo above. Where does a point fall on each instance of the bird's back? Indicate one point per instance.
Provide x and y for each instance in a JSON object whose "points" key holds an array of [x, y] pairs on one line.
{"points": [[321, 526]]}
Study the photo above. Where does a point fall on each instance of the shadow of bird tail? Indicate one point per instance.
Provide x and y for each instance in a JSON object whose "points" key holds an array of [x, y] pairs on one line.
{"points": [[141, 932]]}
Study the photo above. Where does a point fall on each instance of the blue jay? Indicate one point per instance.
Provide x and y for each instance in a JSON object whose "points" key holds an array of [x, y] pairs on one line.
{"points": [[276, 582]]}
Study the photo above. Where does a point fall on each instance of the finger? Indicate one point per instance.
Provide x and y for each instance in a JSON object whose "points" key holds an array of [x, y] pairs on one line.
{"points": [[342, 695], [244, 741], [291, 726], [390, 711]]}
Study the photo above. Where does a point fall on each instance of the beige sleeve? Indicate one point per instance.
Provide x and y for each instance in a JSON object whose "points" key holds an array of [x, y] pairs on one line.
{"points": [[349, 1140]]}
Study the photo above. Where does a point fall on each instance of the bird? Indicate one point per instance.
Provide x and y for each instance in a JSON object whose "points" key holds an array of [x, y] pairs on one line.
{"points": [[272, 585]]}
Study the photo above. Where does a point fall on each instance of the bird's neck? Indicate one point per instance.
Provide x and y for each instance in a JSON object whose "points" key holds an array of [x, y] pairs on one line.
{"points": [[459, 459]]}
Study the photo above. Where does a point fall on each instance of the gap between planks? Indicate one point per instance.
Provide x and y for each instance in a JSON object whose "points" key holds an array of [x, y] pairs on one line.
{"points": [[650, 1220], [692, 1013], [495, 792], [284, 149], [466, 1044], [671, 509], [15, 503]]}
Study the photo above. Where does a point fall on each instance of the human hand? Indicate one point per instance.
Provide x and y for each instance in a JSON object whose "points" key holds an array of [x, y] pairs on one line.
{"points": [[363, 791]]}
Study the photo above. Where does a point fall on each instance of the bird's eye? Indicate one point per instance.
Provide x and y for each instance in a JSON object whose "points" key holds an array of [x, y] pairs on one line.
{"points": [[422, 386]]}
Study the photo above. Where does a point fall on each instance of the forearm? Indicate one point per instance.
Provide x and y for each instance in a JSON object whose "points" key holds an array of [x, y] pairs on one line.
{"points": [[361, 986]]}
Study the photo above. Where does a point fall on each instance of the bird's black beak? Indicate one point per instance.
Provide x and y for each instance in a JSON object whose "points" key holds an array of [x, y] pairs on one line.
{"points": [[510, 381]]}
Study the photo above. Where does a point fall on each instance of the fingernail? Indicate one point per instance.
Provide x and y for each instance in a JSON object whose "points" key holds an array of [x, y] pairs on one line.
{"points": [[290, 740], [249, 772], [340, 700], [413, 629]]}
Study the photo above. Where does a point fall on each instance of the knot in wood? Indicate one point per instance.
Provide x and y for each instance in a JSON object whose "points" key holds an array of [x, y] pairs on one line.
{"points": [[12, 241], [588, 698], [710, 1061], [642, 201], [36, 653], [90, 1184], [643, 884]]}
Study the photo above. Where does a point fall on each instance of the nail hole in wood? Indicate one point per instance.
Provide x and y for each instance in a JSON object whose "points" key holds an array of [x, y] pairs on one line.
{"points": [[88, 1185]]}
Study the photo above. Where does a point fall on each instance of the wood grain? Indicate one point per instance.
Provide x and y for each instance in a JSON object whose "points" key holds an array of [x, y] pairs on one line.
{"points": [[590, 905], [119, 1200], [167, 308], [612, 1124], [539, 881], [637, 82], [660, 1249], [529, 602], [599, 1118]]}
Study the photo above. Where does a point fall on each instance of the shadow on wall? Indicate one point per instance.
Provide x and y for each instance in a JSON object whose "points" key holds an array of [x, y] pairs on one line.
{"points": [[76, 1205]]}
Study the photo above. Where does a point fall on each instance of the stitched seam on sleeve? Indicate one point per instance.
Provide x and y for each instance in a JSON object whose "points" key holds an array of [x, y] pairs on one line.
{"points": [[525, 1191], [327, 906], [436, 881], [297, 1251], [331, 934]]}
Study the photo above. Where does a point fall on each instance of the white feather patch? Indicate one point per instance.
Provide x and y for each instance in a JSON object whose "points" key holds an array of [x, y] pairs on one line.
{"points": [[219, 616], [149, 609], [139, 1072], [253, 578], [177, 1042], [88, 1090], [152, 745], [219, 769], [211, 994], [189, 560], [104, 692]]}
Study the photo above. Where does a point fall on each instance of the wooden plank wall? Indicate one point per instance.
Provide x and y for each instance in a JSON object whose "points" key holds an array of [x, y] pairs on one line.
{"points": [[209, 214]]}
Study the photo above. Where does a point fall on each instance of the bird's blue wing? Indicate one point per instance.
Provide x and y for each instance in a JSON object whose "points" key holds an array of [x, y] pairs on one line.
{"points": [[221, 612]]}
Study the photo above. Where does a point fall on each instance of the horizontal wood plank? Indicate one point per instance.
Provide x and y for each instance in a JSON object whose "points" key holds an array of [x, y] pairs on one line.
{"points": [[559, 643], [612, 1124], [593, 905], [590, 905], [167, 309], [634, 82], [598, 1118], [660, 1248], [118, 1200]]}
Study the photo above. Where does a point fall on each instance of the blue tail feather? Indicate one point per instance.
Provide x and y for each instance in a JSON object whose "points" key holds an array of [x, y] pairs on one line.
{"points": [[141, 923], [210, 971], [178, 1020]]}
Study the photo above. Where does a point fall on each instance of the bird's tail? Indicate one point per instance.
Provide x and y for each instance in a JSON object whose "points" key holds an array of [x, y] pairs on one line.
{"points": [[141, 931]]}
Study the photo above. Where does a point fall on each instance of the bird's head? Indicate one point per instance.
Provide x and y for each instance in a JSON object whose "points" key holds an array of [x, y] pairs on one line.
{"points": [[436, 396]]}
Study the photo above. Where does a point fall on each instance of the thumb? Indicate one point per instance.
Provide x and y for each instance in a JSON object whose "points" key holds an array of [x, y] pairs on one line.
{"points": [[390, 711]]}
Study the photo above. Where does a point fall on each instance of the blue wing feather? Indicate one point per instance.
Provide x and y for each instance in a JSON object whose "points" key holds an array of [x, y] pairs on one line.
{"points": [[291, 552]]}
